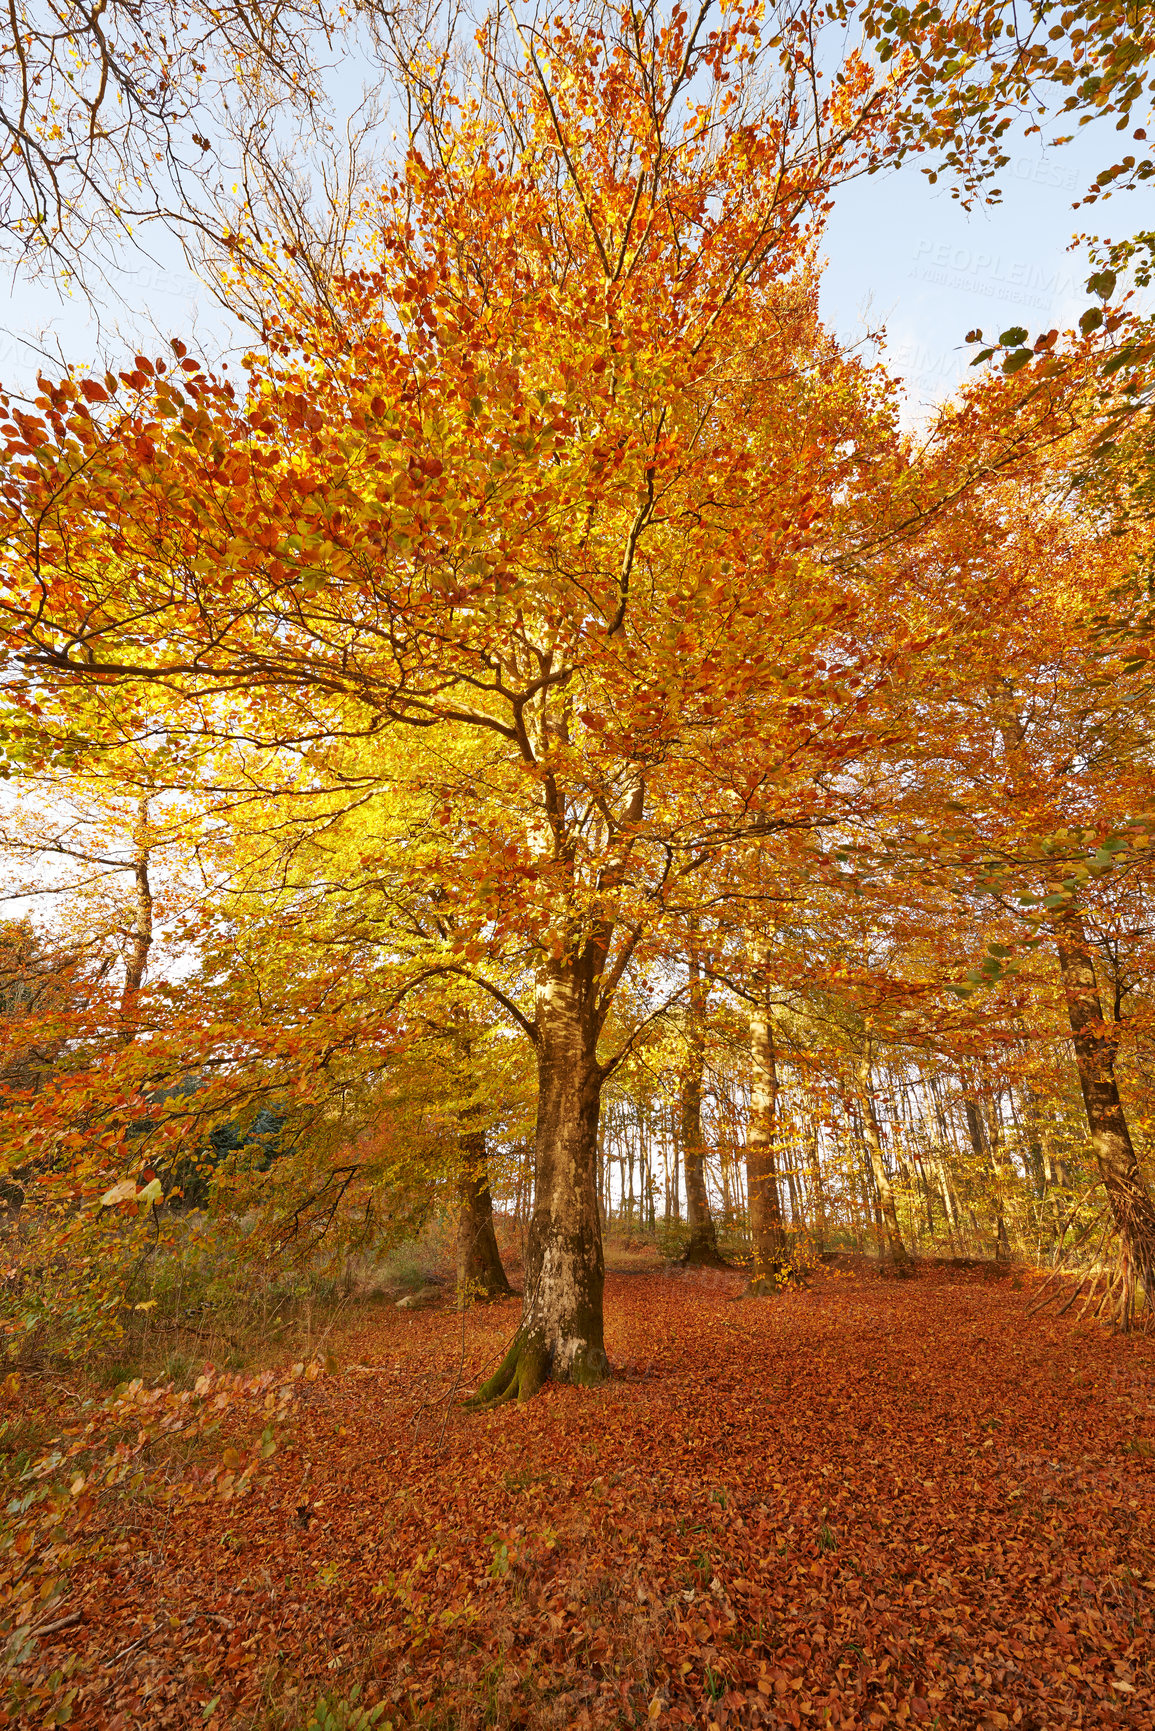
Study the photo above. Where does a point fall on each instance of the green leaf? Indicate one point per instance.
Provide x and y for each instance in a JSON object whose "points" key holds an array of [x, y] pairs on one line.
{"points": [[1056, 901], [1015, 362], [1102, 284], [1015, 337], [1090, 321]]}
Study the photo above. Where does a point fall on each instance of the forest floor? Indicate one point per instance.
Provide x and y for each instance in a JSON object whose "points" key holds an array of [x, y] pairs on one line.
{"points": [[868, 1503]]}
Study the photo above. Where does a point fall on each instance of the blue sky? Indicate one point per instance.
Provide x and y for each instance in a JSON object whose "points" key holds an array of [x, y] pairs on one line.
{"points": [[900, 254], [904, 254]]}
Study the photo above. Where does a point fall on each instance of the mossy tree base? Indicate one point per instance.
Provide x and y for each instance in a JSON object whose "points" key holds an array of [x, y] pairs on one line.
{"points": [[528, 1364]]}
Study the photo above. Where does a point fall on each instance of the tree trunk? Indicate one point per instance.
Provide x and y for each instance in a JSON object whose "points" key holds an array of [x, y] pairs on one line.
{"points": [[796, 1217], [1033, 1140], [984, 1150], [1129, 1198], [677, 1170], [140, 936], [630, 1203], [772, 1262], [941, 1158], [480, 1273], [892, 1246], [1003, 1243], [949, 1205], [702, 1245], [479, 1270], [727, 1193], [561, 1332], [817, 1188]]}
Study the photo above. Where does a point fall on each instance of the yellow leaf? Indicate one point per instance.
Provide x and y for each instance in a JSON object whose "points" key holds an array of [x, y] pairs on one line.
{"points": [[125, 1191]]}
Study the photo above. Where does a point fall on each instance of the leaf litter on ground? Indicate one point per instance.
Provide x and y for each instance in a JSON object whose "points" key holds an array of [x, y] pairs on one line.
{"points": [[868, 1503]]}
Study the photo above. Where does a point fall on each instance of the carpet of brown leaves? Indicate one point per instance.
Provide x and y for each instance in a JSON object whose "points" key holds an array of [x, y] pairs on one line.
{"points": [[870, 1503]]}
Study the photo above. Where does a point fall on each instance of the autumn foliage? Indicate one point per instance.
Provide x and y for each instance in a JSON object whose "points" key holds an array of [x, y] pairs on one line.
{"points": [[541, 748]]}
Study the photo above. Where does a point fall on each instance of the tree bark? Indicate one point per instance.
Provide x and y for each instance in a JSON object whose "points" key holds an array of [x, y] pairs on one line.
{"points": [[676, 1182], [984, 1148], [140, 934], [480, 1274], [1034, 1140], [1002, 1243], [561, 1332], [1128, 1195], [772, 1262], [940, 1155], [817, 1187], [894, 1249], [702, 1245]]}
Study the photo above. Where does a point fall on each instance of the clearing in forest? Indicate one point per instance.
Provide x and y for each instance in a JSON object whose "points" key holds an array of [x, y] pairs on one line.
{"points": [[870, 1503]]}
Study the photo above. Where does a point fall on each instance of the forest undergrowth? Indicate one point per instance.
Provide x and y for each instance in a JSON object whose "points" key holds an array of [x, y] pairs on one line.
{"points": [[867, 1503]]}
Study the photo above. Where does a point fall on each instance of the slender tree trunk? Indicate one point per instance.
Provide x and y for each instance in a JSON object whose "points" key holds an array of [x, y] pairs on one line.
{"points": [[1034, 1141], [941, 1161], [1128, 1195], [561, 1332], [677, 1173], [796, 1216], [949, 1205], [140, 934], [817, 1187], [1054, 1170], [927, 1193], [772, 1263], [702, 1245], [1003, 1243], [479, 1270], [892, 1246], [984, 1152]]}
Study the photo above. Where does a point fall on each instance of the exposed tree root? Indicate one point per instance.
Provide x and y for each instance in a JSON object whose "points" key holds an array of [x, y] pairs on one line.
{"points": [[518, 1377], [529, 1363], [1101, 1274]]}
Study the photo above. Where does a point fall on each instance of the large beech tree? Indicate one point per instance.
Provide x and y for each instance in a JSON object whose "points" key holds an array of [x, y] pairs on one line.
{"points": [[565, 479]]}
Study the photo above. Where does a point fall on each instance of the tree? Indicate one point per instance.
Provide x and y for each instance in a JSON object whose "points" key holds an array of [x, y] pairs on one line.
{"points": [[116, 115], [1038, 772], [564, 479], [702, 1244], [978, 69]]}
